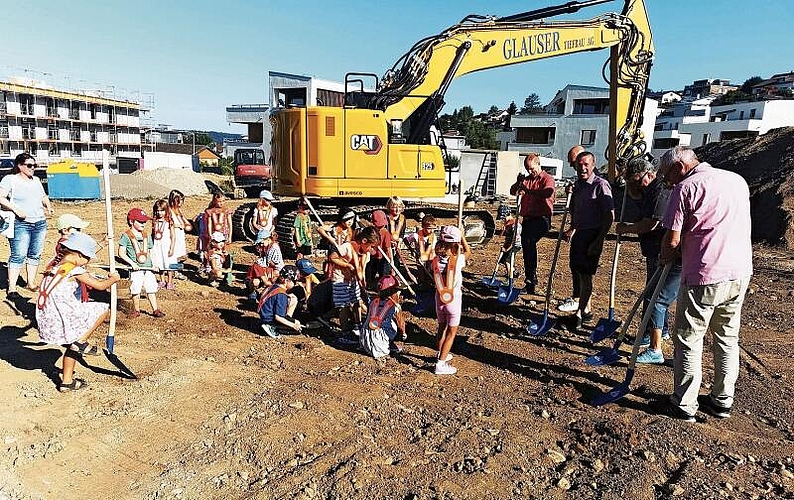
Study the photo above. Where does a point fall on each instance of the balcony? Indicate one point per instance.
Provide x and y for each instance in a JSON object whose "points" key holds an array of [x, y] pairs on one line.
{"points": [[52, 112], [28, 134], [3, 107], [26, 108], [74, 114], [74, 135], [4, 133]]}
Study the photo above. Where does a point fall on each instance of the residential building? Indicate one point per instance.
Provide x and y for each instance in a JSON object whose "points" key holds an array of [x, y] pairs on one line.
{"points": [[775, 85], [707, 87], [53, 124], [666, 96], [576, 115], [697, 123]]}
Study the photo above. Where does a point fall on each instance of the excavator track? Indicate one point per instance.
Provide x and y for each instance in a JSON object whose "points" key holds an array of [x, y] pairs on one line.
{"points": [[478, 222]]}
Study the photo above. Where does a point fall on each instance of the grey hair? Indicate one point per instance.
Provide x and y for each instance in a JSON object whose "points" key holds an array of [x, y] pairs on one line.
{"points": [[683, 154], [638, 166]]}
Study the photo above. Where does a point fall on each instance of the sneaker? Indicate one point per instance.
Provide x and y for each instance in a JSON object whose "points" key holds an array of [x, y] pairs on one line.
{"points": [[133, 314], [665, 335], [179, 276], [529, 289], [444, 368], [160, 285], [651, 357], [712, 408], [587, 317], [270, 331], [395, 350], [348, 338], [646, 340], [170, 286], [158, 313], [253, 297], [569, 305], [664, 408]]}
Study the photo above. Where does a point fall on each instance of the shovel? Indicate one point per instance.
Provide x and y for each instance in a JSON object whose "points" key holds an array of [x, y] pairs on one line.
{"points": [[540, 327], [492, 281], [606, 327], [624, 388], [509, 294]]}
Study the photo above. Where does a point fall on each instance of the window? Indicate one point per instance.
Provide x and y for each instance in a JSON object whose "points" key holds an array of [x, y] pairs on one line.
{"points": [[588, 137], [26, 104], [4, 129], [52, 132], [665, 143], [53, 151], [741, 115], [93, 111], [78, 150], [536, 135], [752, 113], [706, 139], [591, 106]]}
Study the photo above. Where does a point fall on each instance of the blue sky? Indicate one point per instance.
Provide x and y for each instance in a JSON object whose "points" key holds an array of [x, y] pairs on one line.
{"points": [[198, 57]]}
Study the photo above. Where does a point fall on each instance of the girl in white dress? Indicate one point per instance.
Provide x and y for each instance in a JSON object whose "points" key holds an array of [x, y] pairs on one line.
{"points": [[163, 240], [64, 314]]}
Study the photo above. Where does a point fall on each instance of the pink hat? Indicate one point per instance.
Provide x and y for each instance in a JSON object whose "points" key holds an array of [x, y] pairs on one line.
{"points": [[450, 234], [379, 218]]}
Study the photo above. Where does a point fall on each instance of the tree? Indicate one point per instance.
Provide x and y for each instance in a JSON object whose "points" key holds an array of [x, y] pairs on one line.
{"points": [[512, 109], [480, 136], [493, 110], [747, 86], [532, 104]]}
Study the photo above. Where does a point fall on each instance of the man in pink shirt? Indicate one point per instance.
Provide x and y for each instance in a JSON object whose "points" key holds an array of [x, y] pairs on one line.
{"points": [[708, 217], [537, 201]]}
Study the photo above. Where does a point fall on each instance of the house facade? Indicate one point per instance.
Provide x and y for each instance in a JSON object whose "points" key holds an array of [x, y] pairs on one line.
{"points": [[54, 124], [577, 115]]}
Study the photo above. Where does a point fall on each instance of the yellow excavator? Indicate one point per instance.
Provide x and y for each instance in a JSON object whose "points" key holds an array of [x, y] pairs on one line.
{"points": [[383, 142]]}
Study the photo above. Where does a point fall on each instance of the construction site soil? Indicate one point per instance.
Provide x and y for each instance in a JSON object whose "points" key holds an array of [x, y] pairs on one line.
{"points": [[217, 410]]}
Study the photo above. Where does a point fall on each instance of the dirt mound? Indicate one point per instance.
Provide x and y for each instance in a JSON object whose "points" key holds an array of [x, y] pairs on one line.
{"points": [[767, 164], [149, 184]]}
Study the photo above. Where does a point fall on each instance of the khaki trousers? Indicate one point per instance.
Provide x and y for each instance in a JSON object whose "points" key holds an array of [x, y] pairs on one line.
{"points": [[717, 308]]}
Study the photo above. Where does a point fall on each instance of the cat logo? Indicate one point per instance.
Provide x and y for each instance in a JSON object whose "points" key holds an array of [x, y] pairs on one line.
{"points": [[369, 144]]}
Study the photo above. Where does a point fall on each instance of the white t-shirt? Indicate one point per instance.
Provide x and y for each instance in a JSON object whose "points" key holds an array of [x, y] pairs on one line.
{"points": [[26, 195], [340, 275]]}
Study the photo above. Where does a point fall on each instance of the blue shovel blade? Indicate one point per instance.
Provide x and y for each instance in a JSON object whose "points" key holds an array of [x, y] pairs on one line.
{"points": [[610, 397], [604, 329], [491, 282], [605, 357], [540, 328]]}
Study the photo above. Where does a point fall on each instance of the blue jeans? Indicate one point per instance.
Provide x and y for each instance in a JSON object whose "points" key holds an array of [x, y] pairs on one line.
{"points": [[27, 243], [667, 294]]}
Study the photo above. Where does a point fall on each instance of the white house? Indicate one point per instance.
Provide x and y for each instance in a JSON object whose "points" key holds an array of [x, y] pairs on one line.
{"points": [[577, 115], [698, 122]]}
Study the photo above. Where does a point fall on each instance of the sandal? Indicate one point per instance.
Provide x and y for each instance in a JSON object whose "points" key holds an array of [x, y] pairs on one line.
{"points": [[84, 348], [75, 385]]}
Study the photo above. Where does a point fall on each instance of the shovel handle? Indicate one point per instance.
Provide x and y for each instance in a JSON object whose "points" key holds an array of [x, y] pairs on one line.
{"points": [[613, 276], [647, 316], [557, 248]]}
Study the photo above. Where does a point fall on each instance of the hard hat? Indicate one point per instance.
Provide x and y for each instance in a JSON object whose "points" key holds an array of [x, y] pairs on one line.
{"points": [[81, 242], [66, 221]]}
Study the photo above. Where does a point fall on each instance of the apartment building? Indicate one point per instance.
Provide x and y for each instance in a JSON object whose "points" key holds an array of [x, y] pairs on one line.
{"points": [[53, 124], [576, 115]]}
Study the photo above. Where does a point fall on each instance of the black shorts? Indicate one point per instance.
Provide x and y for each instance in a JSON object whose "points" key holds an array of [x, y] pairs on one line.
{"points": [[305, 250], [580, 242]]}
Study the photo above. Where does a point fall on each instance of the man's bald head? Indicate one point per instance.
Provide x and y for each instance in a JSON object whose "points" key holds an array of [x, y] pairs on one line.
{"points": [[573, 153], [532, 164]]}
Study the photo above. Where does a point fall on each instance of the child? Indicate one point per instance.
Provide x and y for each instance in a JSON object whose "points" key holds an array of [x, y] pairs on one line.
{"points": [[217, 258], [511, 244], [423, 242], [342, 231], [134, 249], [384, 321], [66, 224], [163, 240], [302, 231], [308, 276], [265, 213], [348, 261], [263, 272], [214, 219], [63, 312], [378, 266], [181, 226], [396, 207], [276, 307], [448, 277]]}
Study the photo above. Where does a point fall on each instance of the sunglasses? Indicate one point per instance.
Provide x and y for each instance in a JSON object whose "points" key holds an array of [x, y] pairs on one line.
{"points": [[30, 165]]}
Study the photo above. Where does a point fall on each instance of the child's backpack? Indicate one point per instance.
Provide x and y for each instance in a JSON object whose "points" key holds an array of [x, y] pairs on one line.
{"points": [[373, 339]]}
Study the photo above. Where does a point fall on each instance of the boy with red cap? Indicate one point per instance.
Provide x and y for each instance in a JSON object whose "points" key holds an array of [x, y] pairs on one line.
{"points": [[135, 249]]}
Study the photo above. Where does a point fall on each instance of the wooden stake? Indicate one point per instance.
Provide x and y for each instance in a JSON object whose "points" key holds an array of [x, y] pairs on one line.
{"points": [[114, 297]]}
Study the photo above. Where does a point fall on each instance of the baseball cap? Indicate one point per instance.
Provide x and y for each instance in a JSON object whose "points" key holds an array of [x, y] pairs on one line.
{"points": [[263, 234], [379, 218], [348, 214], [450, 234], [70, 220], [305, 267], [289, 272], [387, 282], [81, 242], [266, 195], [138, 214], [218, 237]]}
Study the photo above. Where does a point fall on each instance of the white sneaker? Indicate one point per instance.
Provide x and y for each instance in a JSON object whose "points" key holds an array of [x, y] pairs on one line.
{"points": [[569, 305], [444, 368], [448, 358], [270, 331]]}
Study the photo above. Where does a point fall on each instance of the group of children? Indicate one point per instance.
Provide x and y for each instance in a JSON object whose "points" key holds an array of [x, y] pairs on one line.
{"points": [[361, 256]]}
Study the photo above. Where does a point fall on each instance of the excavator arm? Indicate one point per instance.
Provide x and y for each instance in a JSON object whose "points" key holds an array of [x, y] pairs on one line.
{"points": [[415, 87]]}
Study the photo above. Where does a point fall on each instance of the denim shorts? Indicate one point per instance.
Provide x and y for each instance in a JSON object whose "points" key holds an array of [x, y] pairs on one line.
{"points": [[27, 243]]}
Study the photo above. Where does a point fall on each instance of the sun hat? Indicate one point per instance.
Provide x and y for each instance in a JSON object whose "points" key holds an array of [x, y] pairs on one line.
{"points": [[450, 234], [266, 195], [263, 235], [305, 267], [66, 221], [138, 214], [81, 242], [218, 237]]}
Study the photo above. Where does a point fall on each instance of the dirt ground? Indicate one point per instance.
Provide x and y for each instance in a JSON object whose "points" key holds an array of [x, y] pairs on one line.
{"points": [[216, 410]]}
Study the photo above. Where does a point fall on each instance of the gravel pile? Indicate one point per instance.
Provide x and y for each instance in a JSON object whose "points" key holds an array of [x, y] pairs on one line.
{"points": [[146, 184]]}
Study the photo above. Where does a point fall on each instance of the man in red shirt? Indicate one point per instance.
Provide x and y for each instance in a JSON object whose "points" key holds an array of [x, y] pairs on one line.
{"points": [[537, 190]]}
